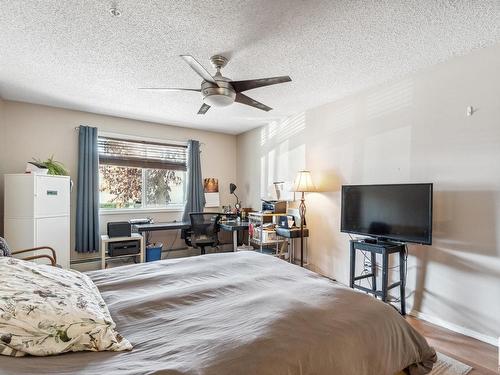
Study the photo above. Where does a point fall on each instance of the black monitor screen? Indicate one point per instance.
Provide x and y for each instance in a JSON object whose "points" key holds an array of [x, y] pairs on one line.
{"points": [[399, 212]]}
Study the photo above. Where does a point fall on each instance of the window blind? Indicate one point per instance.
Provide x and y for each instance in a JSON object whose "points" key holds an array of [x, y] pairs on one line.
{"points": [[141, 154]]}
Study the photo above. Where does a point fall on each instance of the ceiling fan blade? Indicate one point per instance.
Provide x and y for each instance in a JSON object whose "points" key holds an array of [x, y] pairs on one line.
{"points": [[243, 99], [240, 86], [203, 109], [198, 68], [167, 89]]}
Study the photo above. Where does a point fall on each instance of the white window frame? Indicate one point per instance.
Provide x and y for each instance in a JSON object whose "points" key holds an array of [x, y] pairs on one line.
{"points": [[143, 210]]}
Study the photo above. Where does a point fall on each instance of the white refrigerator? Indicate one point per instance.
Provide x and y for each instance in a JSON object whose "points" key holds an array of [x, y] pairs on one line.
{"points": [[37, 213]]}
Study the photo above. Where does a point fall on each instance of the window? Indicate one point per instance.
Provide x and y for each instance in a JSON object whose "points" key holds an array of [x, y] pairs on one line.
{"points": [[140, 174]]}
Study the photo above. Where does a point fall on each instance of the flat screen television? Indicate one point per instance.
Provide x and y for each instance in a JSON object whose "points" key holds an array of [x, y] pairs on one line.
{"points": [[400, 212]]}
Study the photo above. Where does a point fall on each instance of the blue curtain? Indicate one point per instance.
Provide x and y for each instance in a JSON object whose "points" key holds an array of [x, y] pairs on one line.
{"points": [[195, 201], [87, 205]]}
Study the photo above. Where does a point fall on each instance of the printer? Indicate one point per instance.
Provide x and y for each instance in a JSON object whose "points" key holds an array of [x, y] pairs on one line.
{"points": [[274, 207]]}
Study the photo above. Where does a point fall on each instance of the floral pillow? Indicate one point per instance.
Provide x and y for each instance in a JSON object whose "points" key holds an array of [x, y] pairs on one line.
{"points": [[4, 248], [46, 310]]}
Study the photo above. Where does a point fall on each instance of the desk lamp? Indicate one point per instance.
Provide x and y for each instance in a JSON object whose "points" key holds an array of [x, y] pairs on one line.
{"points": [[232, 188], [303, 183]]}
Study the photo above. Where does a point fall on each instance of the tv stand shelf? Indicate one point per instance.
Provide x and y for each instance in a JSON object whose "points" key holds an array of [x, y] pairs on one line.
{"points": [[385, 249]]}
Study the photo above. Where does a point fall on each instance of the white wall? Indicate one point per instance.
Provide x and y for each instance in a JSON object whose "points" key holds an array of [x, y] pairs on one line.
{"points": [[2, 136], [3, 157], [414, 129], [29, 130]]}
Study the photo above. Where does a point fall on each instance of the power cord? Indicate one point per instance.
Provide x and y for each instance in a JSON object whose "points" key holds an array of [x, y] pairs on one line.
{"points": [[169, 250], [367, 267]]}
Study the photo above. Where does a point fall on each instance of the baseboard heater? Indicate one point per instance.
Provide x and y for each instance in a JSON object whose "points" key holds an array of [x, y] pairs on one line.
{"points": [[98, 259]]}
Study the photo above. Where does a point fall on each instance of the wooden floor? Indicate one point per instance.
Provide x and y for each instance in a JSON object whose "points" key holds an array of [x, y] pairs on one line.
{"points": [[482, 357]]}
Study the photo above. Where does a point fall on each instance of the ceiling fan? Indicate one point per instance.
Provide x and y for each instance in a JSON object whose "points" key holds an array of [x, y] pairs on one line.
{"points": [[220, 91]]}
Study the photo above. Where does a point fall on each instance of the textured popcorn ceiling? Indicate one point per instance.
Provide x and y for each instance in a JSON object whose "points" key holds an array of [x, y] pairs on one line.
{"points": [[74, 54]]}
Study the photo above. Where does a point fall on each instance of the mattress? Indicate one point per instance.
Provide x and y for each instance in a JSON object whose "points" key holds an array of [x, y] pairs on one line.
{"points": [[240, 313]]}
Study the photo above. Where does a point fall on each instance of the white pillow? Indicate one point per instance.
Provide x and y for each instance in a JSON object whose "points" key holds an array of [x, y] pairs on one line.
{"points": [[46, 310]]}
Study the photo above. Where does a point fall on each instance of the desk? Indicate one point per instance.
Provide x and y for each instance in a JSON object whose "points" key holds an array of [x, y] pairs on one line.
{"points": [[229, 226], [154, 227], [162, 226], [235, 227]]}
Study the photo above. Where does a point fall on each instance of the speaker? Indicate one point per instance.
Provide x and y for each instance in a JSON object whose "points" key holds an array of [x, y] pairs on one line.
{"points": [[119, 229]]}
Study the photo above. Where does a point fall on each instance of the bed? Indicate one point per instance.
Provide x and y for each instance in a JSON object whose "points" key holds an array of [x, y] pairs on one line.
{"points": [[240, 313]]}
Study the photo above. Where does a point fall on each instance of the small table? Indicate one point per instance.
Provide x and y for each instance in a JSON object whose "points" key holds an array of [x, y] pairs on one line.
{"points": [[292, 234], [235, 227], [105, 240], [385, 249]]}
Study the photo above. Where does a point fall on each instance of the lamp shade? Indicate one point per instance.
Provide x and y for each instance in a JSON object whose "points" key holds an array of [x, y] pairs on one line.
{"points": [[303, 182]]}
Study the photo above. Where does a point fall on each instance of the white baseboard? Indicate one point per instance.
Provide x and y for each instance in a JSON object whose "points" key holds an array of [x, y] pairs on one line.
{"points": [[456, 328]]}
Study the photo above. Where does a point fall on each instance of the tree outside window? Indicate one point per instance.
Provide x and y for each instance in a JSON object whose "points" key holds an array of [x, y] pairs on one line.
{"points": [[136, 187], [127, 187]]}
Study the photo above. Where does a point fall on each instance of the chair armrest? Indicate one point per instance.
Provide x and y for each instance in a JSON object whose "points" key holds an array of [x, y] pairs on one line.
{"points": [[54, 257], [52, 260]]}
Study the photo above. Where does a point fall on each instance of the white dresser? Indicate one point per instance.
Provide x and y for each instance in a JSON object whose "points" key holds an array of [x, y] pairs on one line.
{"points": [[37, 213]]}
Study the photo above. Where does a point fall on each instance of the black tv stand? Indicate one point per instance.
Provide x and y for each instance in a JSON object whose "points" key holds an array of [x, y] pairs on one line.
{"points": [[385, 248]]}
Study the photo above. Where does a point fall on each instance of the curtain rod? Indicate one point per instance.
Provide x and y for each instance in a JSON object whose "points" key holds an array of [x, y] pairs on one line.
{"points": [[129, 135]]}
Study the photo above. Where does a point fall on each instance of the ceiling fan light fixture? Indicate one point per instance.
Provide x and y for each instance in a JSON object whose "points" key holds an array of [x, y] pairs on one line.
{"points": [[217, 100]]}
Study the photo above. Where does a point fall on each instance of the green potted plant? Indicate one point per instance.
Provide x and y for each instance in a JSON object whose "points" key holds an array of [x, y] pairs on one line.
{"points": [[54, 167]]}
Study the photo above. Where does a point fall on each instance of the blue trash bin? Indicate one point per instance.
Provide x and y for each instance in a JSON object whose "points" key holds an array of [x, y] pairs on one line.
{"points": [[153, 252]]}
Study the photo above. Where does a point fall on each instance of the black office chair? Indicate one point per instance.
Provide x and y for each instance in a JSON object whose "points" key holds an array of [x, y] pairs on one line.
{"points": [[204, 229]]}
